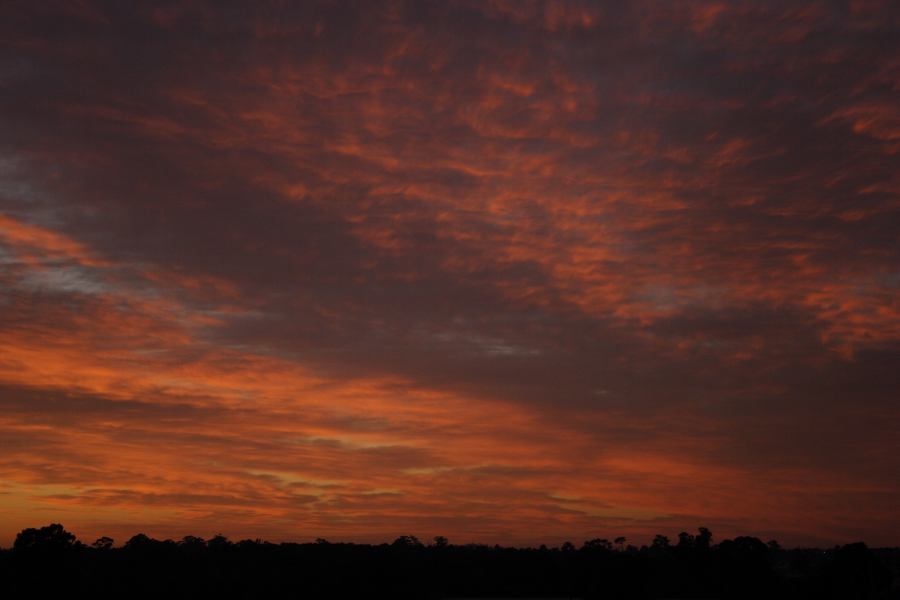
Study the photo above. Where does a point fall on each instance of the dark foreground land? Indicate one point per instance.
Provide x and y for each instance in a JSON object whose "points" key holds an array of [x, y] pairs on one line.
{"points": [[50, 562]]}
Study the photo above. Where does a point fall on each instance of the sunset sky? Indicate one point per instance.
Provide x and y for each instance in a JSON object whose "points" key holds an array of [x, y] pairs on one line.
{"points": [[504, 271]]}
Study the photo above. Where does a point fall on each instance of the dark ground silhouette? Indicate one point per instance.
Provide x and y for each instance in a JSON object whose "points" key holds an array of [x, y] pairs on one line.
{"points": [[51, 562]]}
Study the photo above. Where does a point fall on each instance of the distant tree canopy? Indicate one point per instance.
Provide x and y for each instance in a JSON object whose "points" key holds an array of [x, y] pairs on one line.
{"points": [[407, 541], [103, 543], [51, 560], [52, 538]]}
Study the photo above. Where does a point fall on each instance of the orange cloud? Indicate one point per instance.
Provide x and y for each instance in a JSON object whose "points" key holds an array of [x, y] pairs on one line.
{"points": [[508, 272]]}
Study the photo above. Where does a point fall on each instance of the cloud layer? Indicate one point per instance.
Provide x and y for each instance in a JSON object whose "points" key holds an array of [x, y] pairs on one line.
{"points": [[502, 271]]}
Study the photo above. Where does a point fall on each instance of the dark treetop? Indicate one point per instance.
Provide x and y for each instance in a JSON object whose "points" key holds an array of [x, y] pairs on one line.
{"points": [[50, 560]]}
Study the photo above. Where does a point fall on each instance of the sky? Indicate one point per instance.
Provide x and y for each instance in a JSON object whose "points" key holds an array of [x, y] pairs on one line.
{"points": [[504, 271]]}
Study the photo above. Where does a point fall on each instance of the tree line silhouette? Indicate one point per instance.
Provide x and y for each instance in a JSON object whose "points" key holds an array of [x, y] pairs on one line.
{"points": [[50, 561]]}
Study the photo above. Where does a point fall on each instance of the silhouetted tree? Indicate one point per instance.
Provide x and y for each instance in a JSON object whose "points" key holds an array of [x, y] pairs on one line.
{"points": [[620, 543], [745, 568], [407, 541], [703, 539], [742, 568], [856, 573], [139, 541], [103, 543], [218, 542], [597, 544], [52, 538], [192, 541], [685, 540]]}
